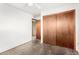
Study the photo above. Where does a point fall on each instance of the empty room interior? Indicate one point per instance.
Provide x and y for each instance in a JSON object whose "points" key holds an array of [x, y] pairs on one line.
{"points": [[39, 29]]}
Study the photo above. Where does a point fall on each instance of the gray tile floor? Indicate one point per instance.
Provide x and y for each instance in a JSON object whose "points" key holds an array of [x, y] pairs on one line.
{"points": [[34, 47]]}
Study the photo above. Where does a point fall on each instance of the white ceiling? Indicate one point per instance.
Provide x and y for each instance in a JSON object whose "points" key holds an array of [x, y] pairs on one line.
{"points": [[34, 10]]}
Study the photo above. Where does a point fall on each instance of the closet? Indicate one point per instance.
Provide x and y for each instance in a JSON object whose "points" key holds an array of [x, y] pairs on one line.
{"points": [[59, 29]]}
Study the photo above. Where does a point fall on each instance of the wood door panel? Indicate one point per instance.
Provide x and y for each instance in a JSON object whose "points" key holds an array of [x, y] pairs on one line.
{"points": [[38, 30], [66, 31], [49, 30], [62, 31], [71, 27], [59, 29]]}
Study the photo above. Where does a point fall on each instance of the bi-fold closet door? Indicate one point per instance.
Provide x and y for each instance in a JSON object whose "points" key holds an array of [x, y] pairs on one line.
{"points": [[59, 29]]}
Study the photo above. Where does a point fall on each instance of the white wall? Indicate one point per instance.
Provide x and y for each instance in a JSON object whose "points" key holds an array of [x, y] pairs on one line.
{"points": [[15, 27], [77, 25], [66, 7]]}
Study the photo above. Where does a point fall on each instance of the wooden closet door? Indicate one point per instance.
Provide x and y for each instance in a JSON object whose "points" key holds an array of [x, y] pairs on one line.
{"points": [[38, 29], [66, 29], [62, 30], [49, 29], [71, 28]]}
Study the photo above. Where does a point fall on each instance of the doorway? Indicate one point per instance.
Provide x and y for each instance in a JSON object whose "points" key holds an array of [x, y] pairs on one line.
{"points": [[36, 29]]}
